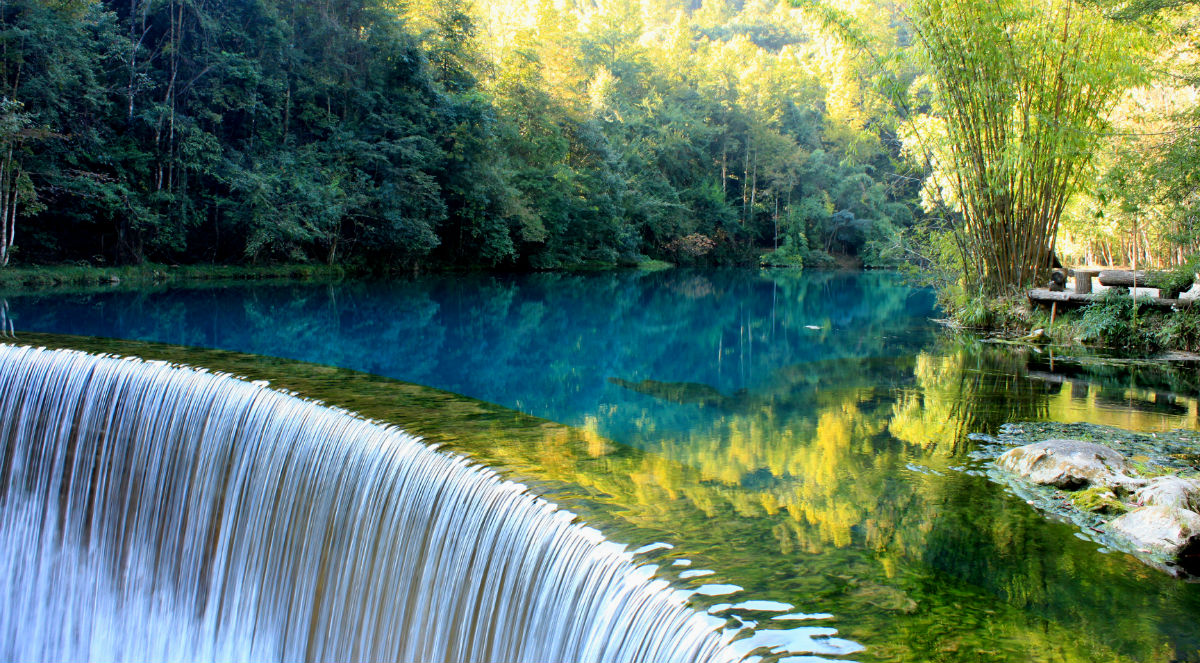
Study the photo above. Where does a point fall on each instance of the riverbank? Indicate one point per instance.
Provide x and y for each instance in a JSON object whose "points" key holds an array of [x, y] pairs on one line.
{"points": [[1116, 321], [53, 276], [50, 276]]}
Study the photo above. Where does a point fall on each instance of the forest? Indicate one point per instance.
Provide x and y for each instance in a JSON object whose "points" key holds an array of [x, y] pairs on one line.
{"points": [[539, 134]]}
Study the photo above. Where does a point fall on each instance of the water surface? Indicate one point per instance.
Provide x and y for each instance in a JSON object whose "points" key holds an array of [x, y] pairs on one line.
{"points": [[802, 436]]}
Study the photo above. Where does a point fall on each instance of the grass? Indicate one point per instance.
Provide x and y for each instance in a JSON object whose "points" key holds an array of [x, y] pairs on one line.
{"points": [[51, 276], [654, 265]]}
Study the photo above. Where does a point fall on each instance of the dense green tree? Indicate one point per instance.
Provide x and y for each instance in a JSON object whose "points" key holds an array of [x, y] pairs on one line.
{"points": [[1143, 209], [55, 118], [392, 134]]}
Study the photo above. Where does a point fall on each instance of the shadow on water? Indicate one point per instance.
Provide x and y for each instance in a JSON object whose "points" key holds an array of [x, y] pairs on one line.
{"points": [[803, 436]]}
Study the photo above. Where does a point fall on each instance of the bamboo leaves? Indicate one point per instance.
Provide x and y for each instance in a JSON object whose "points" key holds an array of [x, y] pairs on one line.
{"points": [[1023, 90]]}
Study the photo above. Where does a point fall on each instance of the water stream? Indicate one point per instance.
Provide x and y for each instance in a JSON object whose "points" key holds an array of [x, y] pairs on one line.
{"points": [[150, 512]]}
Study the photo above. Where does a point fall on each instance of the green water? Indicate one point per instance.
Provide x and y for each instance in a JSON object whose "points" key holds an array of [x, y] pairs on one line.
{"points": [[802, 436]]}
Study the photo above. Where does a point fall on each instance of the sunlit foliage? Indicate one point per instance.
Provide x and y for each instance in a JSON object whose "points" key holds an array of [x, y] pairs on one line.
{"points": [[393, 135], [1023, 91]]}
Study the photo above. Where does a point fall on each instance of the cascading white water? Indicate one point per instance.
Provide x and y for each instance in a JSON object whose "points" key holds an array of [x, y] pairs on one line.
{"points": [[152, 512]]}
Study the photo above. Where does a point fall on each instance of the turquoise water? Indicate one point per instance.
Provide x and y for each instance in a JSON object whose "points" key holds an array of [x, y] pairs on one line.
{"points": [[543, 344], [801, 436]]}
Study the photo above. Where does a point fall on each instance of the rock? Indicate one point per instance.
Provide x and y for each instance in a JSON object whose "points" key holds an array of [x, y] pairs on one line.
{"points": [[1066, 464], [1058, 280], [1175, 492], [1162, 529], [1037, 337]]}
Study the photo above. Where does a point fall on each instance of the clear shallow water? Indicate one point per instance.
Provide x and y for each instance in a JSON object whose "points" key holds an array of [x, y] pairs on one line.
{"points": [[797, 434]]}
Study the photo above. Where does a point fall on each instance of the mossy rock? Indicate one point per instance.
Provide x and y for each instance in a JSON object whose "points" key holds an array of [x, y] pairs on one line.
{"points": [[1064, 463], [1144, 510], [1098, 499]]}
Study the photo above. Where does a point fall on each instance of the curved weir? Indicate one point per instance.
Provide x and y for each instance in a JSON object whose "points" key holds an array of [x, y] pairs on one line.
{"points": [[155, 512]]}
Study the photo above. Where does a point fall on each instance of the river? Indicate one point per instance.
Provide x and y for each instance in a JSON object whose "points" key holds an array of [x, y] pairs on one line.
{"points": [[796, 441]]}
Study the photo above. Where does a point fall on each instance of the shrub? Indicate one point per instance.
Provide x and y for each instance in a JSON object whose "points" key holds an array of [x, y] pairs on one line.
{"points": [[781, 258], [980, 311], [1117, 320], [1177, 279], [787, 255], [819, 259], [1181, 330]]}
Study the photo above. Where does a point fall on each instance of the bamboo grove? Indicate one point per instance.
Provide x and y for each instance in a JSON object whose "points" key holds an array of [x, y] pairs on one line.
{"points": [[1023, 91]]}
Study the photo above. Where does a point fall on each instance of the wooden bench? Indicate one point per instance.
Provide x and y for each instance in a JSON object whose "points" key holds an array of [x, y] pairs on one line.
{"points": [[1128, 278], [1123, 279]]}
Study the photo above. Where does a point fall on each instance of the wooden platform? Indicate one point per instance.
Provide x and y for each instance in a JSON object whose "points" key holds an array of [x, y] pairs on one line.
{"points": [[1069, 300], [1122, 279]]}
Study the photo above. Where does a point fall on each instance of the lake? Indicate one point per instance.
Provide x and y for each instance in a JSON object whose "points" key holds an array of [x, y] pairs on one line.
{"points": [[799, 440]]}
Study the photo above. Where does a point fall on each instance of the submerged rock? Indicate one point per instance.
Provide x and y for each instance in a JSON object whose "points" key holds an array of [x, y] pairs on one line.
{"points": [[885, 598], [1092, 485], [1066, 464], [1162, 529], [1170, 491]]}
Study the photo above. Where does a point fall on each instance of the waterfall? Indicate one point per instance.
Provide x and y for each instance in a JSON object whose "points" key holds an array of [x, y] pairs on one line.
{"points": [[153, 512]]}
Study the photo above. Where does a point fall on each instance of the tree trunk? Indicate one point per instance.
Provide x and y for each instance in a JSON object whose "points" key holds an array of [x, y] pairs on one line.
{"points": [[8, 204], [753, 187], [745, 179], [1133, 243], [135, 43], [724, 167], [776, 219]]}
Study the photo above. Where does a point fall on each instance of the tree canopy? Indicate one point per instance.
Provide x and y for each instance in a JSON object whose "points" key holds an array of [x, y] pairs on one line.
{"points": [[530, 134], [437, 132]]}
